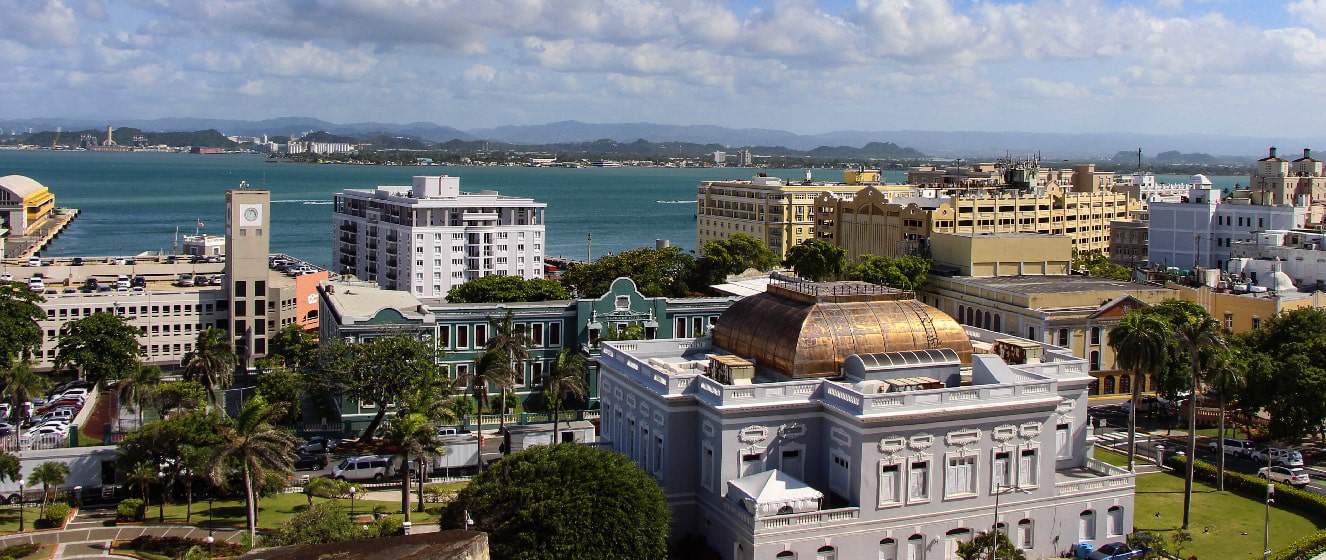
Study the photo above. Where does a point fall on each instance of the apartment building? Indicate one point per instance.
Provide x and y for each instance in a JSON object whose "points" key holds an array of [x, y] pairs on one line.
{"points": [[1279, 182], [1200, 230], [847, 420], [430, 236], [870, 223], [1299, 254], [1128, 242]]}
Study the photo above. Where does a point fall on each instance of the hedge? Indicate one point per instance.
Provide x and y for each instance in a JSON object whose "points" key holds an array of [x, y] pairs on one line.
{"points": [[1254, 487], [53, 517], [18, 550], [175, 547], [130, 509]]}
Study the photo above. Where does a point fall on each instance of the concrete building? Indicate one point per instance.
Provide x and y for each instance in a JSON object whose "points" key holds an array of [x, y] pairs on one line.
{"points": [[24, 204], [356, 311], [1280, 182], [430, 236], [1200, 230], [248, 235], [204, 245], [779, 212], [847, 420], [1239, 309], [1128, 242], [1300, 254]]}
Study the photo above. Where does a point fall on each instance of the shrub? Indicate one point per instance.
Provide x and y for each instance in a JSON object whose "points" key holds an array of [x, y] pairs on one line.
{"points": [[18, 550], [129, 510], [379, 510], [1254, 487], [1306, 547], [388, 526], [175, 547], [319, 524], [53, 516]]}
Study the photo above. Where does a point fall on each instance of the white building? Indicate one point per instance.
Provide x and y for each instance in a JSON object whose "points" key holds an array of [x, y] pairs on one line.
{"points": [[1299, 255], [1200, 230], [430, 236]]}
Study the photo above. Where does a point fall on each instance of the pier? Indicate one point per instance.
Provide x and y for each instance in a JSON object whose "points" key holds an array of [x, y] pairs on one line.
{"points": [[20, 248]]}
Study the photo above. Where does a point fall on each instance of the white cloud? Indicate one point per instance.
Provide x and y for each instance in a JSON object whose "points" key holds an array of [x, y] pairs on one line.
{"points": [[40, 23], [1051, 88]]}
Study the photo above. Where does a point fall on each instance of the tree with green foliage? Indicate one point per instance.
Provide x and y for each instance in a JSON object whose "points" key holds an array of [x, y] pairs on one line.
{"points": [[326, 488], [10, 467], [18, 385], [380, 371], [142, 474], [1139, 341], [979, 548], [532, 504], [101, 346], [293, 347], [47, 475], [506, 289], [908, 272], [255, 448], [817, 260], [319, 524], [1197, 333], [1097, 265], [1285, 372], [177, 395], [411, 435], [282, 387], [212, 362], [138, 387], [632, 331], [165, 445], [492, 370], [20, 335], [513, 342], [1225, 373], [656, 272], [566, 377], [734, 255]]}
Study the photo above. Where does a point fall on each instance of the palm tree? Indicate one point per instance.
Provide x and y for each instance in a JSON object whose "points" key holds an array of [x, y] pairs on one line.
{"points": [[137, 388], [492, 369], [512, 342], [47, 475], [567, 377], [1197, 333], [1140, 343], [196, 460], [255, 448], [18, 384], [143, 475], [212, 362], [412, 434], [1225, 375]]}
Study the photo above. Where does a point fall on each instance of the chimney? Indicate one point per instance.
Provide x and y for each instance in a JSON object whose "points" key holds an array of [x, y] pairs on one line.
{"points": [[1272, 151]]}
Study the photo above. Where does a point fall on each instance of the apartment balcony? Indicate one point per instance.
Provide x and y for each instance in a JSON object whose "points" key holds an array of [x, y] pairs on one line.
{"points": [[1095, 476], [391, 263], [349, 238], [351, 228], [393, 237], [372, 245], [792, 522], [391, 275], [391, 250]]}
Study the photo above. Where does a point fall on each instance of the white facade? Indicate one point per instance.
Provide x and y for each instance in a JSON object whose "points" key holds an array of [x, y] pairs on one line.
{"points": [[1201, 230], [430, 236], [1299, 255]]}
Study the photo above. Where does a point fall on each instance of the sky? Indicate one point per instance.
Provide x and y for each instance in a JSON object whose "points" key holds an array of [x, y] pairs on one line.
{"points": [[1229, 67]]}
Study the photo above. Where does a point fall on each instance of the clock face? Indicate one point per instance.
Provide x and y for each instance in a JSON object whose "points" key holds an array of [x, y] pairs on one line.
{"points": [[312, 299], [250, 215]]}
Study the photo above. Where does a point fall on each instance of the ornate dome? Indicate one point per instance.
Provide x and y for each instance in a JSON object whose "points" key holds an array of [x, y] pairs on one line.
{"points": [[803, 329]]}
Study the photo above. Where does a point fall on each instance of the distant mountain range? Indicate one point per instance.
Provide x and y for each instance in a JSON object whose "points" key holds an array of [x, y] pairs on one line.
{"points": [[965, 144]]}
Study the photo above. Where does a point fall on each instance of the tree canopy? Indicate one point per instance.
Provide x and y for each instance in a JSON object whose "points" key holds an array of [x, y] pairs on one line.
{"points": [[534, 504], [20, 335], [656, 272], [734, 255], [294, 347], [382, 371], [816, 260], [1096, 264], [101, 346], [506, 289], [1285, 371], [904, 273]]}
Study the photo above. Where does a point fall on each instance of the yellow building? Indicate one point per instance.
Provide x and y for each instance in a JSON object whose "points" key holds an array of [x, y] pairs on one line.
{"points": [[779, 212], [24, 204], [1019, 286], [1240, 312], [879, 224], [862, 177]]}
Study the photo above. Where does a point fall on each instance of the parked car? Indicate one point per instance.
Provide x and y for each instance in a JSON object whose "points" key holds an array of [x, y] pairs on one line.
{"points": [[1235, 447], [65, 413], [1278, 456], [310, 461], [1118, 551], [34, 261], [368, 467], [74, 392], [48, 429], [75, 384], [78, 261], [318, 444], [1295, 477]]}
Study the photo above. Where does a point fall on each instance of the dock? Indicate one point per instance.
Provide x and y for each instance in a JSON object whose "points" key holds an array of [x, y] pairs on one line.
{"points": [[19, 248]]}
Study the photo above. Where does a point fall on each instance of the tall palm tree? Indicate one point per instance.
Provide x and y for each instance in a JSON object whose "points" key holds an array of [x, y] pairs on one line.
{"points": [[253, 447], [1197, 333], [1140, 341], [512, 342], [137, 388], [212, 362], [142, 475], [18, 384], [567, 377], [412, 434], [47, 475], [1225, 375], [493, 369]]}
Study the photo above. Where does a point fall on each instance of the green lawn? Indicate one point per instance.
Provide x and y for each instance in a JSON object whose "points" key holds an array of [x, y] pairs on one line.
{"points": [[1111, 457], [274, 510], [9, 517]]}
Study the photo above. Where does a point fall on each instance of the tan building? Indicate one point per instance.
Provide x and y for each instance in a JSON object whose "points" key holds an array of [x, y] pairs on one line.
{"points": [[779, 212], [1069, 311], [1128, 239], [1240, 312], [1277, 181], [874, 223]]}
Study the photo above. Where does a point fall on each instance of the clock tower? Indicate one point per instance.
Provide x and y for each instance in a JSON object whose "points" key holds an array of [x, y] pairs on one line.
{"points": [[248, 230]]}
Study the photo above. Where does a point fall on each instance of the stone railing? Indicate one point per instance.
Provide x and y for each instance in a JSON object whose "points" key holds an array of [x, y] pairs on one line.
{"points": [[850, 400], [1071, 487], [808, 520], [717, 394]]}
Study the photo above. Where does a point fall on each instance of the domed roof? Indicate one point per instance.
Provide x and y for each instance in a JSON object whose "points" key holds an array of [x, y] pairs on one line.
{"points": [[1281, 282], [20, 187], [809, 329]]}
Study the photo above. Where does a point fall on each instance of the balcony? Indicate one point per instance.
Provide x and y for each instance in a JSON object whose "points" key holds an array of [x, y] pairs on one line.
{"points": [[792, 521], [351, 228], [392, 237], [1095, 476], [391, 250], [349, 238]]}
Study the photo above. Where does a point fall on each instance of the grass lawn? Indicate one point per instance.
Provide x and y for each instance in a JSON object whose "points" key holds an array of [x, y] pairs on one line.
{"points": [[274, 510], [1224, 525], [9, 517], [1111, 457], [1230, 432]]}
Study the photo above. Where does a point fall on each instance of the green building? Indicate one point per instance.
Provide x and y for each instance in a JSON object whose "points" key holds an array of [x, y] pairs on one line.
{"points": [[354, 311]]}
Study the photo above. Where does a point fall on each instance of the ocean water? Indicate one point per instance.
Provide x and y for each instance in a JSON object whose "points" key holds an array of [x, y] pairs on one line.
{"points": [[133, 202]]}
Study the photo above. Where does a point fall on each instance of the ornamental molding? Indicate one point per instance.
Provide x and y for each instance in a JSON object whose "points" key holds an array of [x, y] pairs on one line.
{"points": [[1004, 433], [963, 438], [753, 434], [890, 446], [921, 442]]}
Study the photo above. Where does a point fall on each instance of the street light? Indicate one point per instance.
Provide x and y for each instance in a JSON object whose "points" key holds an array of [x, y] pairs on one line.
{"points": [[1270, 499], [209, 540], [353, 489], [20, 506], [1000, 489]]}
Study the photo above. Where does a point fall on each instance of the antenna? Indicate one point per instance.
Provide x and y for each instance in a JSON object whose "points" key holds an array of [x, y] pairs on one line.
{"points": [[1139, 160], [589, 247]]}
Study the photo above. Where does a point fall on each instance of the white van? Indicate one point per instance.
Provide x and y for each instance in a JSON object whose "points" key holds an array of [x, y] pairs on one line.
{"points": [[36, 284], [369, 467]]}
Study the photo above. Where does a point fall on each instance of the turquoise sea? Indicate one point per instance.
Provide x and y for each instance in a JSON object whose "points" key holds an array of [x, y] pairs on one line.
{"points": [[133, 202]]}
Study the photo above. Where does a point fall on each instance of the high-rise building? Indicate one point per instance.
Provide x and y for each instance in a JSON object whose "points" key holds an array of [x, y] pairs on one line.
{"points": [[1199, 230], [248, 234], [430, 236]]}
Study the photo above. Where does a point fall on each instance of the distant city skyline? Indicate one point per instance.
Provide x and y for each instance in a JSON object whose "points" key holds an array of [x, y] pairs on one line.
{"points": [[1163, 66]]}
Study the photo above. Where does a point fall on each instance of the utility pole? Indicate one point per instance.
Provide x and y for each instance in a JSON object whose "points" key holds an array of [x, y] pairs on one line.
{"points": [[589, 247]]}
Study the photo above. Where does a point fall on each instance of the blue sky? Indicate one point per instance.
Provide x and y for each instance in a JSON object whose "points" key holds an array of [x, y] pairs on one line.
{"points": [[1241, 67]]}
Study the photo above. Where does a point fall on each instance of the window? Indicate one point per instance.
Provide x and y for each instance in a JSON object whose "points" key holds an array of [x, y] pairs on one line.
{"points": [[826, 553], [536, 333], [889, 478], [960, 477], [1114, 522], [751, 463], [536, 374], [445, 335], [1086, 526], [1024, 538], [888, 549], [1095, 335], [681, 328], [658, 456], [1256, 322], [462, 336], [1095, 360], [707, 472], [840, 475], [1028, 468], [1229, 321], [785, 555], [240, 289], [1001, 474], [918, 482], [916, 547], [1063, 441], [480, 335], [555, 334]]}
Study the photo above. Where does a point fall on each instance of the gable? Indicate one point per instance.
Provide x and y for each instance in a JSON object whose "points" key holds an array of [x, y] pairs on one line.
{"points": [[1117, 307]]}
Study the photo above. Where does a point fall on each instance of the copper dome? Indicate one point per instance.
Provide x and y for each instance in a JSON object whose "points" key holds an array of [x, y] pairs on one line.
{"points": [[803, 329]]}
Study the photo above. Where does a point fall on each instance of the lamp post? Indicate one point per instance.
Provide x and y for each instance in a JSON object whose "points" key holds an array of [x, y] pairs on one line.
{"points": [[209, 541], [353, 489], [20, 506], [1000, 489], [1270, 499]]}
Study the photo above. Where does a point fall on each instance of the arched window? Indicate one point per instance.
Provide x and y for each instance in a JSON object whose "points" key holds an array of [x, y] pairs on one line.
{"points": [[1025, 538], [915, 548], [1095, 360], [1114, 521], [1094, 387], [1109, 385], [986, 324], [971, 317], [1125, 384], [997, 327], [786, 555], [826, 553], [1086, 526], [888, 549], [962, 318], [785, 510]]}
